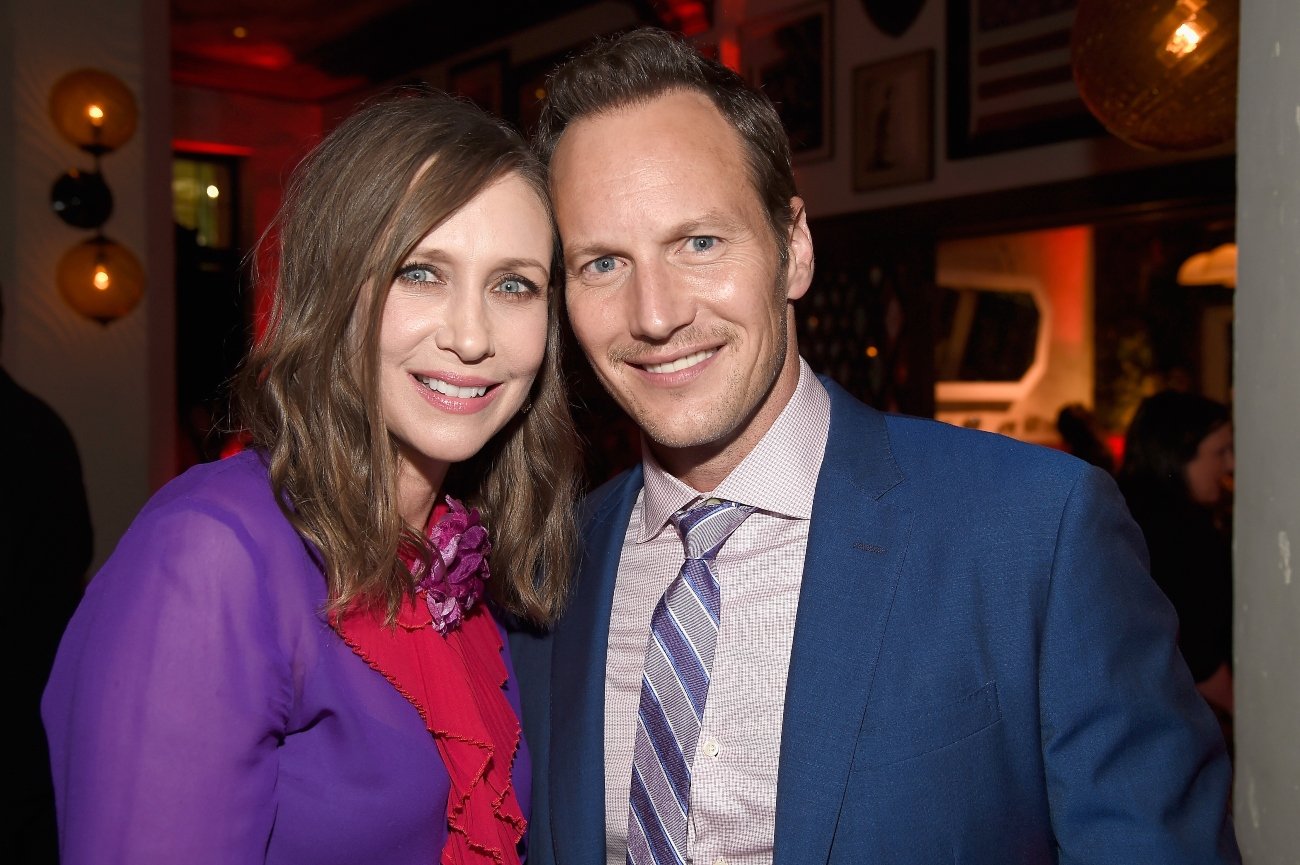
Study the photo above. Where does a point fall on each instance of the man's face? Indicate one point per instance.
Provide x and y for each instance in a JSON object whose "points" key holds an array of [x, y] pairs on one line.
{"points": [[674, 285]]}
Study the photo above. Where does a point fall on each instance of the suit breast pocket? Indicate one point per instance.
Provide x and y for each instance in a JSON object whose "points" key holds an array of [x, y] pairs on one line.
{"points": [[899, 733]]}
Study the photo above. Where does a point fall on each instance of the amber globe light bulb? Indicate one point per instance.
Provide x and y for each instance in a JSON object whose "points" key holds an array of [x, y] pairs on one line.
{"points": [[101, 279], [94, 110], [1159, 74]]}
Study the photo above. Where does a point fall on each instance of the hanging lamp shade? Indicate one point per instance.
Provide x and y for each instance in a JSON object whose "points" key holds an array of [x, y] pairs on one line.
{"points": [[1217, 266], [1159, 74], [101, 279], [94, 110]]}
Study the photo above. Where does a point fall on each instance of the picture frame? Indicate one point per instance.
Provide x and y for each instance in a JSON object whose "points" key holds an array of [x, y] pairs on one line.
{"points": [[893, 121], [788, 56], [1009, 80], [481, 80]]}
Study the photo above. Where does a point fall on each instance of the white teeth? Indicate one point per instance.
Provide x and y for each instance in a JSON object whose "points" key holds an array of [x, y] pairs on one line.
{"points": [[682, 362], [450, 389]]}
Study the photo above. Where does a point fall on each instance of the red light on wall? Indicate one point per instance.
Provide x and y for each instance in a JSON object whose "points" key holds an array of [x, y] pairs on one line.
{"points": [[271, 56], [1115, 444], [210, 148], [688, 17], [729, 54]]}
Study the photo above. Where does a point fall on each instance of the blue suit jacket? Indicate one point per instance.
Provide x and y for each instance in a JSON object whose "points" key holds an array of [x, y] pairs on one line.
{"points": [[982, 671]]}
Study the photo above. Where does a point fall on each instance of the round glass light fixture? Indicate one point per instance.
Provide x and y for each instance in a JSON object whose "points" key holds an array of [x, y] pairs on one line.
{"points": [[94, 110], [101, 279], [1159, 74]]}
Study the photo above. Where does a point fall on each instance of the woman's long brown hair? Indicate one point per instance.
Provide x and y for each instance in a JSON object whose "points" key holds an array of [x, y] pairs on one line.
{"points": [[309, 391]]}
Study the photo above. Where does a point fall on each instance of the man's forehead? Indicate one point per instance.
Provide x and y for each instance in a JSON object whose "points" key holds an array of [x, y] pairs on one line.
{"points": [[683, 117]]}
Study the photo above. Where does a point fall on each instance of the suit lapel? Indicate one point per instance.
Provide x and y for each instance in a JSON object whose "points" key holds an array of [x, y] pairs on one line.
{"points": [[578, 682], [856, 546]]}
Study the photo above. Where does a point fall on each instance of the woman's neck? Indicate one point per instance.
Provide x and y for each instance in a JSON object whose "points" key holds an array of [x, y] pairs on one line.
{"points": [[418, 486]]}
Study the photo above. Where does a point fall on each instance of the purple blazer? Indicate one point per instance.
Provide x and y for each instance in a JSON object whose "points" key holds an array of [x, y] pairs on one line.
{"points": [[201, 710]]}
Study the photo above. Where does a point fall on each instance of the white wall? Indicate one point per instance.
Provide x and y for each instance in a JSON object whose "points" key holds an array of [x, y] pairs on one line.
{"points": [[112, 385], [1267, 557]]}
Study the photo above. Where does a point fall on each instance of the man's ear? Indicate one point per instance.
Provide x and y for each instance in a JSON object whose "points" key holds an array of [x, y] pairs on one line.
{"points": [[799, 268]]}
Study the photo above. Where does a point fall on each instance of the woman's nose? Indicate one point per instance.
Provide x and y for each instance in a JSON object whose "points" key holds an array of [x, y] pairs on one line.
{"points": [[466, 330]]}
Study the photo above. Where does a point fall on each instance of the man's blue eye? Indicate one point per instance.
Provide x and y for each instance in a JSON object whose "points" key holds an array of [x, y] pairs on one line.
{"points": [[604, 265], [703, 244]]}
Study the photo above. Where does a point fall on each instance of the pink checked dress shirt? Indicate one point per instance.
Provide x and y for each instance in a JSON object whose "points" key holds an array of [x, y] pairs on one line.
{"points": [[733, 786]]}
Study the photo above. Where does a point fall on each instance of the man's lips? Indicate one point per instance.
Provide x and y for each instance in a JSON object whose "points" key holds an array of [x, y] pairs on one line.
{"points": [[681, 363]]}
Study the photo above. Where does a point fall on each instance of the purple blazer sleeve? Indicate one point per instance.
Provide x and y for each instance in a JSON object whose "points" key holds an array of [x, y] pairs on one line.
{"points": [[169, 697], [201, 710]]}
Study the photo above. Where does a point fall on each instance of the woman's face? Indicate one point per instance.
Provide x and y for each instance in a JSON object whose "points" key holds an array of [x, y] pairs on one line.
{"points": [[463, 331], [1210, 471]]}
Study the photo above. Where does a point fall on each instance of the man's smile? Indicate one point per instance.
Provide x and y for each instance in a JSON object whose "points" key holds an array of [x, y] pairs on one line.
{"points": [[680, 363]]}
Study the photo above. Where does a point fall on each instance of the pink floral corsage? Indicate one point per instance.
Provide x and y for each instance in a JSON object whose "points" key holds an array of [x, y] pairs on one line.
{"points": [[455, 579]]}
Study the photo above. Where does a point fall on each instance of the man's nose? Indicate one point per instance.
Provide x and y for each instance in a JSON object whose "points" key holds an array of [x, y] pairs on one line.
{"points": [[660, 305]]}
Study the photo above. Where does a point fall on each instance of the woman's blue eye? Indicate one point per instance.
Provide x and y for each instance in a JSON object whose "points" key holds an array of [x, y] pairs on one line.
{"points": [[418, 273], [703, 244], [515, 286]]}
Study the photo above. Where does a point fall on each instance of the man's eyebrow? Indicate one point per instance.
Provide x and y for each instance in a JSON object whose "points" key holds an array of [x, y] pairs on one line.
{"points": [[589, 250], [708, 222]]}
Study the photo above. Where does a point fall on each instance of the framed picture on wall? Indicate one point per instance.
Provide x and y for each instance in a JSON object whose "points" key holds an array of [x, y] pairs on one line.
{"points": [[788, 55], [481, 80], [1009, 81], [893, 121]]}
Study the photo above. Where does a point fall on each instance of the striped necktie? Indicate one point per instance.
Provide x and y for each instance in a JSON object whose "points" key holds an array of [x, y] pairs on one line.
{"points": [[675, 686]]}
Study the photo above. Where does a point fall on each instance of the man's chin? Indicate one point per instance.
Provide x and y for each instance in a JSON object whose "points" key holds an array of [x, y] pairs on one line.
{"points": [[686, 434]]}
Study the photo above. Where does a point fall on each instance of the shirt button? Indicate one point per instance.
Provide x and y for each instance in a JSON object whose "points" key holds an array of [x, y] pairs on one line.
{"points": [[711, 749]]}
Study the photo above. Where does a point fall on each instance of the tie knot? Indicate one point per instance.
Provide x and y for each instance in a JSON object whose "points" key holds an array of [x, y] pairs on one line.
{"points": [[706, 527]]}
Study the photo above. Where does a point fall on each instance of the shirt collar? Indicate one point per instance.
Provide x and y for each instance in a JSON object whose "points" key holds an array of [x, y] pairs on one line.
{"points": [[778, 476]]}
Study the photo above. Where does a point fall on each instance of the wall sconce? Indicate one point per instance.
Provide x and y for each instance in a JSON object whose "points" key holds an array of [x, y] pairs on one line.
{"points": [[99, 277]]}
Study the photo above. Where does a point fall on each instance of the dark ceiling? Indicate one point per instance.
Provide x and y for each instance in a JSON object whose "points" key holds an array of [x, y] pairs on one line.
{"points": [[312, 50]]}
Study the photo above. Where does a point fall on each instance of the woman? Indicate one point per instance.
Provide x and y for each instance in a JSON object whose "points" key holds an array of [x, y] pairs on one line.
{"points": [[287, 659], [1176, 475]]}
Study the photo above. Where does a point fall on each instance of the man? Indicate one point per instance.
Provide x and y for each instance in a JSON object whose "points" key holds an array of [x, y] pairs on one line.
{"points": [[933, 645]]}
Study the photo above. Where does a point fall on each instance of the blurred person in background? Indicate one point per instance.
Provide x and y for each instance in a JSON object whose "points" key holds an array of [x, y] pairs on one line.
{"points": [[1080, 436], [1177, 478], [46, 545]]}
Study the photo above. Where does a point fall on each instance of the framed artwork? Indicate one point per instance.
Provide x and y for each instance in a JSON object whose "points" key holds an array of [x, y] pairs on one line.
{"points": [[893, 121], [788, 55], [1009, 78], [481, 80]]}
